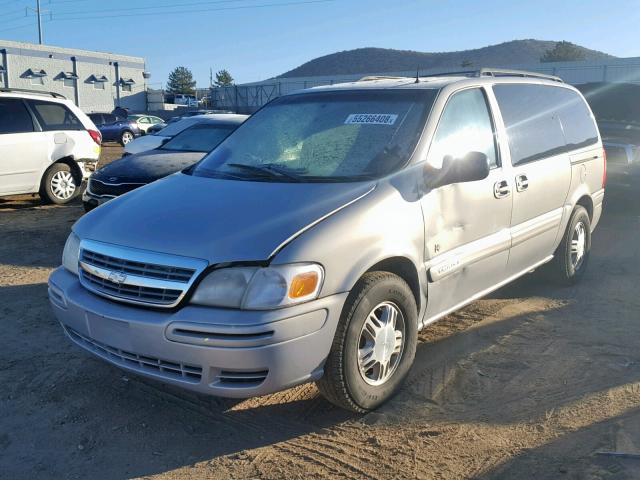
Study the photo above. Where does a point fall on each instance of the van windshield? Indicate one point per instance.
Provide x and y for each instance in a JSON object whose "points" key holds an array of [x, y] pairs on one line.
{"points": [[328, 136]]}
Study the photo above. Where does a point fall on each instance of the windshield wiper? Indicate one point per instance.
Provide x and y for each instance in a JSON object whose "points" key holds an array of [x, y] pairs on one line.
{"points": [[270, 170]]}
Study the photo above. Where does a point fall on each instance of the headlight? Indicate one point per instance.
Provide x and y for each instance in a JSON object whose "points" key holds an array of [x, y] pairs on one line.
{"points": [[254, 288], [71, 253]]}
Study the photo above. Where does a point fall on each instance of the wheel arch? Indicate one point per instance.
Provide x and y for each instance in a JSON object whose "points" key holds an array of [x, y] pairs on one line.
{"points": [[405, 269], [73, 166]]}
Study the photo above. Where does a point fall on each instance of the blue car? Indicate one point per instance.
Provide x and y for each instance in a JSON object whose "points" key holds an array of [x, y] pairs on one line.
{"points": [[115, 129]]}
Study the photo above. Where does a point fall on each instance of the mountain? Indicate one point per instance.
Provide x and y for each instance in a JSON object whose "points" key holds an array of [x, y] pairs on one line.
{"points": [[378, 60]]}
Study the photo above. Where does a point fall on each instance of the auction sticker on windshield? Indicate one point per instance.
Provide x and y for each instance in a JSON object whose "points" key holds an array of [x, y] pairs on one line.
{"points": [[371, 119]]}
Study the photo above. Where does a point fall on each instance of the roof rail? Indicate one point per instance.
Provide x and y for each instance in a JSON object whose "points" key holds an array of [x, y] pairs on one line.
{"points": [[504, 72], [497, 72], [32, 92], [371, 78]]}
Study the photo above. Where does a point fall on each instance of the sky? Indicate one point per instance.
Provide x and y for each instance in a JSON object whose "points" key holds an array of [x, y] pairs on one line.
{"points": [[259, 39]]}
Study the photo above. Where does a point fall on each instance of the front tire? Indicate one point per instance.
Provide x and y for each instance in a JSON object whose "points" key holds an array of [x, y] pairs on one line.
{"points": [[127, 137], [58, 185], [571, 258], [374, 346]]}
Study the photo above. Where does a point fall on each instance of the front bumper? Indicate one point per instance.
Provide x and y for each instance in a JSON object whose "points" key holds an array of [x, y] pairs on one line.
{"points": [[92, 201], [228, 353]]}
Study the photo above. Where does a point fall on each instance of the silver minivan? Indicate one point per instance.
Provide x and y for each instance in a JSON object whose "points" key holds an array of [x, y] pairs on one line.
{"points": [[318, 239]]}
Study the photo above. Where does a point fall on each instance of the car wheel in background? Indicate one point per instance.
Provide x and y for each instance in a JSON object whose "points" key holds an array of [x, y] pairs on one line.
{"points": [[58, 185], [126, 137], [374, 345]]}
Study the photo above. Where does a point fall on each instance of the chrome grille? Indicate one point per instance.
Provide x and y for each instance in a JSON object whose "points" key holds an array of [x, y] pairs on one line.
{"points": [[136, 276], [142, 363], [102, 189], [162, 272], [151, 295]]}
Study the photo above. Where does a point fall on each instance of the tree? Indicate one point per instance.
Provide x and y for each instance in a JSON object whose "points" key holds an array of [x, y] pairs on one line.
{"points": [[181, 81], [563, 52], [223, 79], [466, 63]]}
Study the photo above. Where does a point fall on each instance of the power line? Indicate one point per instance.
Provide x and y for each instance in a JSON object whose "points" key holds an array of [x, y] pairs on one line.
{"points": [[156, 6], [243, 7]]}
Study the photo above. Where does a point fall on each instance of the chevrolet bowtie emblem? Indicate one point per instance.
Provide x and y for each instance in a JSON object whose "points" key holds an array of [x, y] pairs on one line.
{"points": [[117, 277]]}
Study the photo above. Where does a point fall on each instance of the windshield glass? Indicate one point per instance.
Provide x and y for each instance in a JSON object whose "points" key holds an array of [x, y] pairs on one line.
{"points": [[199, 138], [328, 136], [174, 128]]}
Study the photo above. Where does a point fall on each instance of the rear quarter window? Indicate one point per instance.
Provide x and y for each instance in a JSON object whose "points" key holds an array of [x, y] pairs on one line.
{"points": [[543, 121], [55, 116]]}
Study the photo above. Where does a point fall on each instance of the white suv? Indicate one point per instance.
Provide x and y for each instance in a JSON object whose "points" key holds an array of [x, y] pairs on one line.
{"points": [[47, 145]]}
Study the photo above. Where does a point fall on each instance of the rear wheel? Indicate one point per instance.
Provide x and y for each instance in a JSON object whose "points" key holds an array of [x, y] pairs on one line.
{"points": [[127, 137], [58, 185], [571, 258], [374, 345]]}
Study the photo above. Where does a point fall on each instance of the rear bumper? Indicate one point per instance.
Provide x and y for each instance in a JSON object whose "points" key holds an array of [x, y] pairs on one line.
{"points": [[228, 353]]}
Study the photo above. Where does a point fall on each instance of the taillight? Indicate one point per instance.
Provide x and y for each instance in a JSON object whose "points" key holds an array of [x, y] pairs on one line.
{"points": [[604, 169], [96, 136]]}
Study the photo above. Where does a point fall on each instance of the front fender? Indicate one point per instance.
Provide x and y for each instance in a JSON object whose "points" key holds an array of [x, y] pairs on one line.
{"points": [[382, 225]]}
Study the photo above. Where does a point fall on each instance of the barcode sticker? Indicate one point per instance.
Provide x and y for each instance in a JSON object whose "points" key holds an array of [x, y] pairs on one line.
{"points": [[371, 119]]}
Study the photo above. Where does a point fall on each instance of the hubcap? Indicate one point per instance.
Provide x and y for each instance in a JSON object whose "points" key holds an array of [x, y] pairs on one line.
{"points": [[63, 185], [126, 137], [381, 343], [578, 245]]}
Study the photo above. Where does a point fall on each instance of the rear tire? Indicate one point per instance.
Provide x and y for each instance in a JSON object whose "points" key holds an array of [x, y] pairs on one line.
{"points": [[373, 348], [572, 256], [59, 185]]}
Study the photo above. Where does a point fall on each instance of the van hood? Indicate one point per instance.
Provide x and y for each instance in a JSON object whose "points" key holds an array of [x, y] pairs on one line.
{"points": [[217, 220]]}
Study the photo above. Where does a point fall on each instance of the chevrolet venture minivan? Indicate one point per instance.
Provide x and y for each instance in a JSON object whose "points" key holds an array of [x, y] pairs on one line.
{"points": [[318, 239]]}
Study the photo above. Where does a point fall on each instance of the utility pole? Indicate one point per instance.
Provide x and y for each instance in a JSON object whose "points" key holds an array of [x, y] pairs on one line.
{"points": [[39, 22]]}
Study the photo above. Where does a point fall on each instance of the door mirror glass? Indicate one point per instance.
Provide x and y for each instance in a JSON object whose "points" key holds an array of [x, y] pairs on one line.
{"points": [[471, 167]]}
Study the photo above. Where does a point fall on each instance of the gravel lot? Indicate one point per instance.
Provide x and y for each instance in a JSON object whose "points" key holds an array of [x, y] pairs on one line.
{"points": [[530, 382]]}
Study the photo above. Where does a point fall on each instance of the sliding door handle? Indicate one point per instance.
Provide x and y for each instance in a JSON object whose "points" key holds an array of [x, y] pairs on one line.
{"points": [[522, 183]]}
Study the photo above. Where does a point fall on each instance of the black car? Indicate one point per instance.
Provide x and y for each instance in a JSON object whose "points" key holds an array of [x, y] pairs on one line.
{"points": [[139, 169], [114, 128]]}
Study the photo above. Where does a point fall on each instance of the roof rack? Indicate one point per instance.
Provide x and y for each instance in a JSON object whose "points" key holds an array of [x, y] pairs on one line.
{"points": [[497, 72], [32, 92], [371, 78]]}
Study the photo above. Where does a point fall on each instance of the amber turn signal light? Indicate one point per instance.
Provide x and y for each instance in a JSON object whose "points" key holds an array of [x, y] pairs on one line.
{"points": [[303, 284]]}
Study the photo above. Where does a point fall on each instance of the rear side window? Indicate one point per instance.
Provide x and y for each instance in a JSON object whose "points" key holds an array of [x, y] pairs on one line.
{"points": [[543, 121], [577, 122], [465, 126], [54, 116], [14, 116], [109, 118]]}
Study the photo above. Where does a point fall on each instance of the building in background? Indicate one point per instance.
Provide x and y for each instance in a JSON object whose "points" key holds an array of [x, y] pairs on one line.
{"points": [[95, 81]]}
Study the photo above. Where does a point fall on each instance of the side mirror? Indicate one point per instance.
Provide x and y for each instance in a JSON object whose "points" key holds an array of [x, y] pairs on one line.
{"points": [[470, 168], [164, 140]]}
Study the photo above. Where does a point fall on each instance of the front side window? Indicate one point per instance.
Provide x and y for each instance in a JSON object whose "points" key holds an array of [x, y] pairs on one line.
{"points": [[14, 117], [54, 116], [465, 126], [327, 136], [199, 138]]}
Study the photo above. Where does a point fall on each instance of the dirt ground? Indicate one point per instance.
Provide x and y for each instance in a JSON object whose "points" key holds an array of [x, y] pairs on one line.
{"points": [[534, 381]]}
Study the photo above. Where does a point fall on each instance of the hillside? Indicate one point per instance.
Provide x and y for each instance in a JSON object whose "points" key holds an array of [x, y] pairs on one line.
{"points": [[377, 60]]}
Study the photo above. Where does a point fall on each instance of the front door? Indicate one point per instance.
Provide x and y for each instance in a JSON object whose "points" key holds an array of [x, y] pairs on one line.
{"points": [[466, 224]]}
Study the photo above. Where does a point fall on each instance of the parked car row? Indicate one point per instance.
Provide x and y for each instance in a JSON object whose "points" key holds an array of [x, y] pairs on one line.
{"points": [[171, 155]]}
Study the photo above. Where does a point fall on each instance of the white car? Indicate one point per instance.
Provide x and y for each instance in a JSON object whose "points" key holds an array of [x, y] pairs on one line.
{"points": [[47, 145], [145, 122], [150, 142]]}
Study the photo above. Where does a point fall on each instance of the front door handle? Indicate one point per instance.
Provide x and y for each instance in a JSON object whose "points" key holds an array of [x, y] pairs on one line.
{"points": [[522, 183], [501, 189]]}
